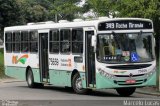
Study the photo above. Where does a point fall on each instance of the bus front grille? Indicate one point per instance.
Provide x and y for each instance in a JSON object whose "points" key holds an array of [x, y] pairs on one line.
{"points": [[129, 67], [129, 76]]}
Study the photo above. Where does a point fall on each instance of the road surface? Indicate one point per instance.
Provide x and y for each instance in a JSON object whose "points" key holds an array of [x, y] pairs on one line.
{"points": [[18, 90]]}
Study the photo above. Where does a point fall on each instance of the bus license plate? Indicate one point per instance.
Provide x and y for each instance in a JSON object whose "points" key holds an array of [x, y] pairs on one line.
{"points": [[131, 81]]}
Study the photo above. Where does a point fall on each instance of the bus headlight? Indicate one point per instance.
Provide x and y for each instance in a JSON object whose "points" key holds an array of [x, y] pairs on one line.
{"points": [[105, 74], [151, 72]]}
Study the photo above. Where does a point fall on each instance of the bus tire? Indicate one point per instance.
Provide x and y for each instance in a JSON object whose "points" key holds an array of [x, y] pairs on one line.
{"points": [[77, 84], [125, 91], [30, 79]]}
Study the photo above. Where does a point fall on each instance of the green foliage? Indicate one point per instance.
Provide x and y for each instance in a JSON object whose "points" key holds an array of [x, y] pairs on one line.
{"points": [[136, 8], [141, 9], [32, 11], [128, 8], [1, 63], [9, 14], [65, 9], [18, 12], [101, 7]]}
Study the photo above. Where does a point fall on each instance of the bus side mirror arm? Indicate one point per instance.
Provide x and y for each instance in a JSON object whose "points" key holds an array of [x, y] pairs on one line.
{"points": [[93, 42]]}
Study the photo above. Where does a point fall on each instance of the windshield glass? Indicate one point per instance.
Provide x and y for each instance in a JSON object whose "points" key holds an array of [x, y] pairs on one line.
{"points": [[125, 48]]}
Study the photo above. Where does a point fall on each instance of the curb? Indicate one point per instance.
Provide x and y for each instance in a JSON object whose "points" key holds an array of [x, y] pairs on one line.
{"points": [[148, 93], [9, 80], [12, 81]]}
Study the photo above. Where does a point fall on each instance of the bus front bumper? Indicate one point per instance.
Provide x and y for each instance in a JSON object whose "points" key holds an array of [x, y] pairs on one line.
{"points": [[103, 82]]}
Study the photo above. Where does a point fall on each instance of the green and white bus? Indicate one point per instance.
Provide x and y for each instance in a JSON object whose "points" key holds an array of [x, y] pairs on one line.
{"points": [[105, 53]]}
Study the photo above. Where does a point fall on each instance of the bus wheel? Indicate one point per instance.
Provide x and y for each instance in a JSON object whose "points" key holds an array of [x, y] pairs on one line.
{"points": [[30, 79], [77, 84], [125, 91]]}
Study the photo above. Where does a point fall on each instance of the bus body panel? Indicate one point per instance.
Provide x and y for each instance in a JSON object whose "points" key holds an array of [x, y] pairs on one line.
{"points": [[60, 77], [22, 60], [16, 72], [61, 67], [18, 63]]}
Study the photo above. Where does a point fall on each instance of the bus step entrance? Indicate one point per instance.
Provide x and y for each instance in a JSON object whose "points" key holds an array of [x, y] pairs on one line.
{"points": [[92, 85], [45, 80]]}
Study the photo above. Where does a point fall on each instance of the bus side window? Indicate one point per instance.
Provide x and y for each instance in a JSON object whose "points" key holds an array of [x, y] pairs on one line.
{"points": [[77, 40], [16, 41], [8, 41], [24, 41], [65, 41], [33, 41], [54, 41]]}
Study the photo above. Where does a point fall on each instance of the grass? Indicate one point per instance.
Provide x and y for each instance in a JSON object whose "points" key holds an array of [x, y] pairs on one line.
{"points": [[1, 63]]}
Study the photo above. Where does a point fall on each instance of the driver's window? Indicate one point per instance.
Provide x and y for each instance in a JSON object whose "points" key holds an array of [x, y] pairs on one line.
{"points": [[108, 45]]}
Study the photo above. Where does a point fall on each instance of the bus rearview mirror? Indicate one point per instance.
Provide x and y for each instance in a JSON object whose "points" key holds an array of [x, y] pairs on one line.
{"points": [[93, 42]]}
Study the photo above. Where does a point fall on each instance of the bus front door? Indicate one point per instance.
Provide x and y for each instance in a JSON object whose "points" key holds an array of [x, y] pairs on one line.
{"points": [[90, 59], [43, 56]]}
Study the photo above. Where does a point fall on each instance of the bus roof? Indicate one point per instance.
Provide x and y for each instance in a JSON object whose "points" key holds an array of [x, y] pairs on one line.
{"points": [[43, 25]]}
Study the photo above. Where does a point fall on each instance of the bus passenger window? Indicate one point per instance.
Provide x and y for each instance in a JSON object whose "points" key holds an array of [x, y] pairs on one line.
{"points": [[77, 40], [8, 41], [24, 42], [16, 41], [65, 44], [54, 41], [33, 41]]}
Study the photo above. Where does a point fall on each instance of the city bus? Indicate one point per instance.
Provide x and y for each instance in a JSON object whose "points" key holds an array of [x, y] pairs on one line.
{"points": [[114, 53]]}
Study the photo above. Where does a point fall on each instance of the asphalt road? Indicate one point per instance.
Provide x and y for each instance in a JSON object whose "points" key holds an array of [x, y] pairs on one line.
{"points": [[18, 90]]}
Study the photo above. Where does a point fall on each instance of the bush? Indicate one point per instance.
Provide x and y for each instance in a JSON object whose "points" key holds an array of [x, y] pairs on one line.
{"points": [[1, 63], [1, 71]]}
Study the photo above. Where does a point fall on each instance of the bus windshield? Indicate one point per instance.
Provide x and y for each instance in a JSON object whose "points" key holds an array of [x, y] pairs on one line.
{"points": [[125, 48]]}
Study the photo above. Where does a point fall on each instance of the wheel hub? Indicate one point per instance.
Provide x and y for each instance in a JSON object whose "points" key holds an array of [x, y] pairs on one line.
{"points": [[29, 79], [79, 84]]}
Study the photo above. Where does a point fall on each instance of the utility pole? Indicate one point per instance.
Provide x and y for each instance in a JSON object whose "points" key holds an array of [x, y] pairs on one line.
{"points": [[158, 71], [56, 18]]}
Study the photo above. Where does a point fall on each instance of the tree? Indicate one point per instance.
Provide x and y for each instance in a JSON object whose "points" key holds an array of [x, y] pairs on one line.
{"points": [[140, 8], [100, 7], [128, 8], [9, 14], [65, 9], [33, 10]]}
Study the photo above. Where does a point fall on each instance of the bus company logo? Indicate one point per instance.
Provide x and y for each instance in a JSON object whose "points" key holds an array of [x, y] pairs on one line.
{"points": [[21, 59], [66, 62], [130, 75], [117, 71]]}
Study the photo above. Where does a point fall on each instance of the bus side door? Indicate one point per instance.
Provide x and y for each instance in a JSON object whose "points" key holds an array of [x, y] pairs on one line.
{"points": [[43, 55], [89, 58]]}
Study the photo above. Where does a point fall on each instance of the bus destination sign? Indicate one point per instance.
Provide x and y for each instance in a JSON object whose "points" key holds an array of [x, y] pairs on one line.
{"points": [[124, 25]]}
